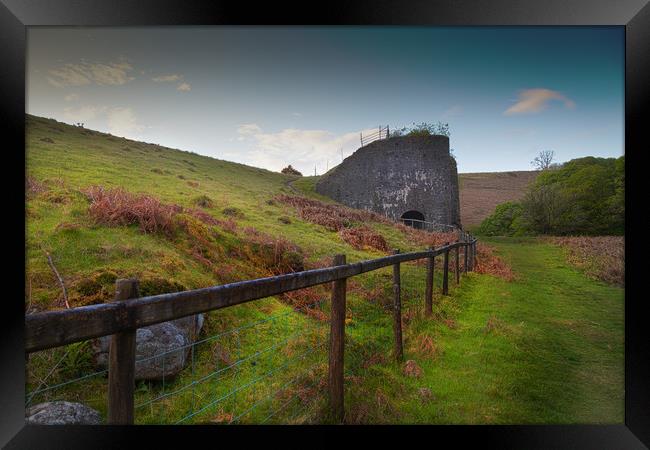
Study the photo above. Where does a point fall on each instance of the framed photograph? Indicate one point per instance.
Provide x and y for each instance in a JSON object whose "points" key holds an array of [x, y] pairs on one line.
{"points": [[323, 217]]}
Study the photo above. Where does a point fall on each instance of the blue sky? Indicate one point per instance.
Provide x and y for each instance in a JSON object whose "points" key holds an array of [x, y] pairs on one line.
{"points": [[272, 96]]}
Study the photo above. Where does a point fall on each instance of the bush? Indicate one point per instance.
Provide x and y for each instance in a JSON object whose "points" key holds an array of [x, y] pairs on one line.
{"points": [[505, 221], [290, 171], [583, 197], [114, 207], [364, 237], [423, 129], [203, 201]]}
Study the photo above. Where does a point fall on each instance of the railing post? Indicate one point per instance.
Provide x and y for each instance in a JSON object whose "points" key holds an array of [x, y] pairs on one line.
{"points": [[457, 264], [337, 343], [473, 254], [445, 273], [465, 252], [428, 297], [121, 363], [397, 311]]}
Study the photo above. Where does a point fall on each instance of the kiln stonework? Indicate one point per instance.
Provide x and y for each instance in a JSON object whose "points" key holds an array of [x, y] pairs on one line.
{"points": [[410, 177]]}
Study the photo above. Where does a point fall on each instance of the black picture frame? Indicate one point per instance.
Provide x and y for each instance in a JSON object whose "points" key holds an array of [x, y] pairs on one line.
{"points": [[634, 15]]}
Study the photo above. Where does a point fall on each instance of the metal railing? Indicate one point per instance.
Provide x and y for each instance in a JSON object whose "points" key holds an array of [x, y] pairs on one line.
{"points": [[381, 133], [427, 226], [122, 317]]}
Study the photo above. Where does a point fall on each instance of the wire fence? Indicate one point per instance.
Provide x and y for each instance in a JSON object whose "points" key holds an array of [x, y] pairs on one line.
{"points": [[265, 362], [237, 376], [428, 226]]}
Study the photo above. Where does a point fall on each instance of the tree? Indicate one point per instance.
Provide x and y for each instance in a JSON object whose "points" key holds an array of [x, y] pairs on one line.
{"points": [[544, 160], [290, 171]]}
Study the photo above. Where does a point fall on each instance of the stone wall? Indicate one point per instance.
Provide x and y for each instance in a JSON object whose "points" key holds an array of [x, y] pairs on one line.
{"points": [[395, 175]]}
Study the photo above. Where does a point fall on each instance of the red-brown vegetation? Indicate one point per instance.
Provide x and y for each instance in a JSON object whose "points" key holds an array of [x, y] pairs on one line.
{"points": [[364, 237], [331, 216], [276, 254], [600, 257], [488, 263], [33, 186], [115, 207]]}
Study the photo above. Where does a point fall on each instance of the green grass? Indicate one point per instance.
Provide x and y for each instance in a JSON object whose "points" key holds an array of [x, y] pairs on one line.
{"points": [[554, 353]]}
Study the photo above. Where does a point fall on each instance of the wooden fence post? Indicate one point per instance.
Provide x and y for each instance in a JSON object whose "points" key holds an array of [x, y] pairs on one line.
{"points": [[445, 272], [337, 343], [473, 255], [397, 311], [457, 264], [465, 251], [428, 297], [121, 363]]}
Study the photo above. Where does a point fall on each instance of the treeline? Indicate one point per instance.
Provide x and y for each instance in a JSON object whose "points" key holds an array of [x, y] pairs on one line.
{"points": [[585, 196]]}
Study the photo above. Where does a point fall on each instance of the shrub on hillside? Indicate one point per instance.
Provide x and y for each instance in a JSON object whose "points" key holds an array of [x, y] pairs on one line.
{"points": [[585, 197], [203, 201], [505, 221], [275, 254], [290, 171], [118, 207], [363, 237]]}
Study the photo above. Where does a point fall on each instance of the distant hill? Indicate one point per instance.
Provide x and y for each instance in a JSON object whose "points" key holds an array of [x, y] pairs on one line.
{"points": [[480, 193]]}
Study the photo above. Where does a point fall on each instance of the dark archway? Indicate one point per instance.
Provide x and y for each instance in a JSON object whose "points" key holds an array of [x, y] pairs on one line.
{"points": [[413, 219]]}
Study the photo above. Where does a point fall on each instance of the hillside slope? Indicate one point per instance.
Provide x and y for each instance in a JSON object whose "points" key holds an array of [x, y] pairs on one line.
{"points": [[64, 162], [103, 207], [480, 193]]}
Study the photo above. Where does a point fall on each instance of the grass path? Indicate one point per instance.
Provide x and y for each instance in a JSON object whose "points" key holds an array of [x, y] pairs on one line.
{"points": [[545, 348]]}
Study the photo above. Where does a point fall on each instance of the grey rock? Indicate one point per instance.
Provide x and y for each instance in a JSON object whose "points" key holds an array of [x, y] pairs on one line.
{"points": [[62, 413], [162, 350], [396, 175]]}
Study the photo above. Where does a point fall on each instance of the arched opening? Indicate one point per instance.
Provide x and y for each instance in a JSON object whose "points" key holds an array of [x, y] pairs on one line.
{"points": [[413, 219]]}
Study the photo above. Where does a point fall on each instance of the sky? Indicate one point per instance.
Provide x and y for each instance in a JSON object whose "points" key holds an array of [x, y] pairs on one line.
{"points": [[273, 96]]}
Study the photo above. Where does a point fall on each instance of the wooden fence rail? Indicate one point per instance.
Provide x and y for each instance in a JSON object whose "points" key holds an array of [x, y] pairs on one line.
{"points": [[128, 312]]}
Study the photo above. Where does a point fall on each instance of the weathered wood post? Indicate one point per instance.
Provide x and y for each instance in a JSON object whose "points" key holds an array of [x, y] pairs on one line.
{"points": [[428, 296], [397, 311], [445, 273], [457, 263], [473, 254], [121, 363], [337, 343], [465, 253]]}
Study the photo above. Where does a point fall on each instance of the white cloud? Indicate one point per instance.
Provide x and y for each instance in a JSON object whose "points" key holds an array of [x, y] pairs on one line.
{"points": [[90, 73], [296, 114], [536, 100], [71, 97], [184, 87], [122, 122], [301, 148], [249, 128], [167, 78], [83, 113]]}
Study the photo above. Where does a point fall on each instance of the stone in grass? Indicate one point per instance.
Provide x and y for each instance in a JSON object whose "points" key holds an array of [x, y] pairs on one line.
{"points": [[159, 339], [411, 369], [62, 413], [426, 394]]}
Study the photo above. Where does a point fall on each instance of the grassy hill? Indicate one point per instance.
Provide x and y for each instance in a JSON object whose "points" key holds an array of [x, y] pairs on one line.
{"points": [[539, 343], [480, 193]]}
